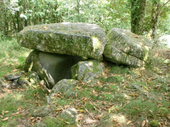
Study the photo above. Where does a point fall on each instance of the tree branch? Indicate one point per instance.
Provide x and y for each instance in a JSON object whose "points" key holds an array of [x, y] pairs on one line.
{"points": [[162, 7]]}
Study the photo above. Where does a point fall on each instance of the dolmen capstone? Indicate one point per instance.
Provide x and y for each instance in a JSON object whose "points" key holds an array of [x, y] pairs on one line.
{"points": [[65, 50], [85, 40]]}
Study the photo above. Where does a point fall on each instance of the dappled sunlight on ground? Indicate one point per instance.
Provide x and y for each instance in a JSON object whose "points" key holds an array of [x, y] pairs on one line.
{"points": [[123, 96], [165, 40], [119, 119]]}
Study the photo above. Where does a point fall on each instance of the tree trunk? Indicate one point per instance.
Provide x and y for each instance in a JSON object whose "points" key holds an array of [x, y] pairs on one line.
{"points": [[18, 22], [137, 15], [154, 17], [78, 9], [5, 23]]}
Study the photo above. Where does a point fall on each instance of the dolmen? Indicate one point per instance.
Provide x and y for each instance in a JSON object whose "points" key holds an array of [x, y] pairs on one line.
{"points": [[76, 50]]}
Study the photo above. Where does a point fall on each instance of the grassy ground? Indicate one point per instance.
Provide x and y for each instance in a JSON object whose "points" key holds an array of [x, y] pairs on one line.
{"points": [[11, 55], [124, 97]]}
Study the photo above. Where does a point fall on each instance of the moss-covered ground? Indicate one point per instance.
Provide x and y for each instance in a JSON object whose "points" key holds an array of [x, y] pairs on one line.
{"points": [[123, 96]]}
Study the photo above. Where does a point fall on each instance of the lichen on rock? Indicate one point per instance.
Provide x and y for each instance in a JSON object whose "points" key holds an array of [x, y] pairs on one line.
{"points": [[81, 39], [87, 70], [50, 67], [64, 87], [124, 47]]}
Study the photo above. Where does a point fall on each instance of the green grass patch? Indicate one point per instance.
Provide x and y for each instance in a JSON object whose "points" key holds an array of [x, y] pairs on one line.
{"points": [[16, 102], [120, 70], [11, 55], [148, 108]]}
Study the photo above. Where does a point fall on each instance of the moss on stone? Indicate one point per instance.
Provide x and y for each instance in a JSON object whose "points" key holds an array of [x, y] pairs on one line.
{"points": [[154, 123], [85, 40]]}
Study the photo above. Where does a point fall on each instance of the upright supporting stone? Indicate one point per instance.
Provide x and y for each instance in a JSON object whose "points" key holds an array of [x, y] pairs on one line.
{"points": [[50, 67]]}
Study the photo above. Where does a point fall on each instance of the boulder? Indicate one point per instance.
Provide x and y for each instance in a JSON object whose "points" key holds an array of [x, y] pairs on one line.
{"points": [[117, 56], [87, 70], [126, 48], [81, 39], [64, 87], [50, 67]]}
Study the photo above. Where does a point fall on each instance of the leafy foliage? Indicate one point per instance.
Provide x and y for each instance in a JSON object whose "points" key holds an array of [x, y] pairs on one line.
{"points": [[17, 14]]}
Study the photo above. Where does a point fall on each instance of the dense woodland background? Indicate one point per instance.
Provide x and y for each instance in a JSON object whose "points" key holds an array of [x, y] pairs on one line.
{"points": [[148, 17]]}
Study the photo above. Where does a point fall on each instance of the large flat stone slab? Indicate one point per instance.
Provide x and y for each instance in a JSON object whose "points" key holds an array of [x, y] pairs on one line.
{"points": [[81, 39], [129, 42], [116, 56], [125, 47]]}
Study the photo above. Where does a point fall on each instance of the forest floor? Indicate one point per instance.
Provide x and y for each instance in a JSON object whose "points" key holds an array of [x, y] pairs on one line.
{"points": [[124, 96]]}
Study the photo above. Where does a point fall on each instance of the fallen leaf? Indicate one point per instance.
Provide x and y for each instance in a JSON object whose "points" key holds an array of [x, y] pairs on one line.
{"points": [[80, 117], [5, 119], [59, 109], [19, 109], [143, 123], [129, 122], [15, 114], [81, 111], [133, 95], [14, 70], [3, 112], [99, 116], [168, 116], [20, 126], [90, 121]]}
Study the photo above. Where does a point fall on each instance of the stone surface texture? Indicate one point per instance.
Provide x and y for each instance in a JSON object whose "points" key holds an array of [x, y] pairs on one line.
{"points": [[70, 115], [127, 48], [64, 87], [87, 70], [81, 39], [41, 111], [50, 67]]}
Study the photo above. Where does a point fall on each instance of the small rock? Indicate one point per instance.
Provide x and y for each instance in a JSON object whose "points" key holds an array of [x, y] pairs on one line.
{"points": [[12, 76], [33, 77], [69, 115], [15, 83], [87, 70], [23, 80], [64, 87], [41, 111]]}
